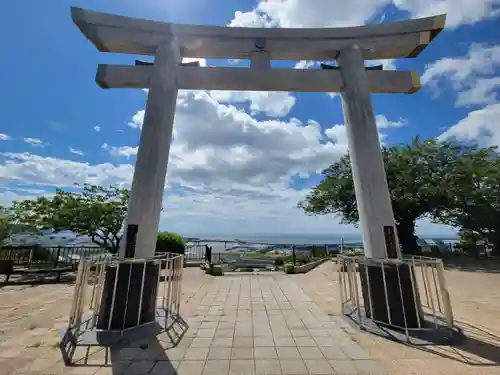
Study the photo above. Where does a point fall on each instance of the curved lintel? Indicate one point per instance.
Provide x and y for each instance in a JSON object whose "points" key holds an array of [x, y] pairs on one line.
{"points": [[113, 33]]}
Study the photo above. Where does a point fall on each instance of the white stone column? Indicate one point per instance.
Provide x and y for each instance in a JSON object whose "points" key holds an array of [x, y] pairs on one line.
{"points": [[154, 146], [370, 182]]}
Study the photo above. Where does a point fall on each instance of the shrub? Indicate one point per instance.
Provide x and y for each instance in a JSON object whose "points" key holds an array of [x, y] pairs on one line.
{"points": [[168, 242], [289, 268], [279, 261]]}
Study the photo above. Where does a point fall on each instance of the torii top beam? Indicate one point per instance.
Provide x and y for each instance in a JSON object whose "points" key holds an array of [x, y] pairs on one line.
{"points": [[112, 33]]}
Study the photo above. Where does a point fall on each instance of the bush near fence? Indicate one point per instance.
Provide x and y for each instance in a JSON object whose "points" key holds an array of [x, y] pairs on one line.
{"points": [[168, 242]]}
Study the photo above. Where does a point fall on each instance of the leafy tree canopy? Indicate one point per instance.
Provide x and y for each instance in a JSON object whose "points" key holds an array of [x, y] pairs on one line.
{"points": [[425, 178], [95, 211]]}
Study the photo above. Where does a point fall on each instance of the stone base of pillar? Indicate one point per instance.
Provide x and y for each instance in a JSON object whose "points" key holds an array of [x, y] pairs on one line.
{"points": [[129, 295], [397, 303]]}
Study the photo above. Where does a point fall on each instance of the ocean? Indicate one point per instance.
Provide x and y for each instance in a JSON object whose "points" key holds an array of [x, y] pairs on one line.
{"points": [[235, 242]]}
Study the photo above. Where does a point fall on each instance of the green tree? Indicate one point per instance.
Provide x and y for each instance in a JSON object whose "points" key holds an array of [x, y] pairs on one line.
{"points": [[416, 175], [5, 223], [474, 193], [96, 211]]}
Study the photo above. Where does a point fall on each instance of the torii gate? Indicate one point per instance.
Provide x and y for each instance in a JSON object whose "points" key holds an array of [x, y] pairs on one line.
{"points": [[350, 46]]}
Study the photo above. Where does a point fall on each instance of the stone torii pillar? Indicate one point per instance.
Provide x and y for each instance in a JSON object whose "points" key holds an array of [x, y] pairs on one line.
{"points": [[367, 165], [150, 171]]}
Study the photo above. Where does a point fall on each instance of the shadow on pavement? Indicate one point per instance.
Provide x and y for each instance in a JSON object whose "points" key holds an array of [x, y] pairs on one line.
{"points": [[478, 347], [148, 356]]}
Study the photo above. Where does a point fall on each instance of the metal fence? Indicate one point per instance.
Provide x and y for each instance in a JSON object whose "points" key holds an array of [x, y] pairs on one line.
{"points": [[424, 293], [195, 253], [54, 256], [119, 307]]}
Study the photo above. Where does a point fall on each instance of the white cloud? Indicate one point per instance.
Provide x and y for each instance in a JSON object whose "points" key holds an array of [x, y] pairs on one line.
{"points": [[383, 123], [303, 64], [251, 19], [228, 172], [482, 92], [5, 137], [471, 76], [75, 151], [125, 151], [328, 13], [28, 168], [459, 12], [271, 103], [97, 128], [480, 125], [137, 120], [34, 142]]}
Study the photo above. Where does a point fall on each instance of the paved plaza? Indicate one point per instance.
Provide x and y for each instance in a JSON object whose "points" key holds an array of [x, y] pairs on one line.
{"points": [[265, 325]]}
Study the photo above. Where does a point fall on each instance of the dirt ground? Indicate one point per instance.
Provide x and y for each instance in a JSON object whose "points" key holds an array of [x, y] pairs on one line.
{"points": [[475, 299]]}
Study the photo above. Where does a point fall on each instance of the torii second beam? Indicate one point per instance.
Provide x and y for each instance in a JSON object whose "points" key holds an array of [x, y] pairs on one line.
{"points": [[248, 79]]}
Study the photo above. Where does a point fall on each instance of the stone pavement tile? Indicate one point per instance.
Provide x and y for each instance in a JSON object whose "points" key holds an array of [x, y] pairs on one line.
{"points": [[165, 368], [305, 341], [139, 368], [273, 311], [125, 354], [34, 366], [196, 354], [354, 351], [262, 331], [226, 332], [263, 341], [222, 342], [282, 333], [225, 325], [242, 353], [201, 342], [369, 367], [174, 354], [293, 367], [318, 367], [185, 342], [284, 341], [333, 352], [208, 324], [242, 367], [246, 342], [206, 333], [267, 367], [344, 367], [325, 341], [243, 332], [310, 352], [190, 368], [313, 325], [219, 353], [300, 332], [216, 367], [318, 333], [288, 353], [265, 353]]}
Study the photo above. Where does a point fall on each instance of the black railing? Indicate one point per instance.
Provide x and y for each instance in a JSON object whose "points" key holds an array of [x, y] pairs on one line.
{"points": [[54, 256]]}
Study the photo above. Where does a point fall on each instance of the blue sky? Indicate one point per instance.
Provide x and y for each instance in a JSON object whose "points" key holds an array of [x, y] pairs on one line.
{"points": [[239, 161]]}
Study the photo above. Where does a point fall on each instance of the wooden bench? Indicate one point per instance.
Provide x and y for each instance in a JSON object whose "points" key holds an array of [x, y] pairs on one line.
{"points": [[7, 268]]}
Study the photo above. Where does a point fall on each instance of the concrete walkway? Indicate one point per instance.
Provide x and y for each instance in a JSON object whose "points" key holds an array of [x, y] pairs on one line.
{"points": [[247, 325]]}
